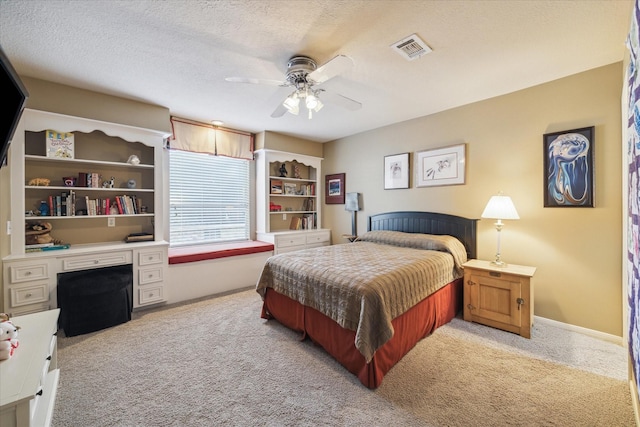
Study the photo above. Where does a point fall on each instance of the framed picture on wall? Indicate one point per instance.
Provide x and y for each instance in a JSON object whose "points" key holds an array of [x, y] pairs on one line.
{"points": [[396, 171], [334, 189], [568, 168], [441, 166]]}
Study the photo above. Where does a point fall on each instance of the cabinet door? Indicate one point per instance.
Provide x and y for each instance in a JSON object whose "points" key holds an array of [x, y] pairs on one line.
{"points": [[495, 298]]}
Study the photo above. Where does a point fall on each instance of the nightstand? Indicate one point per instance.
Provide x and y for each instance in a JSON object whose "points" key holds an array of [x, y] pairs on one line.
{"points": [[501, 297]]}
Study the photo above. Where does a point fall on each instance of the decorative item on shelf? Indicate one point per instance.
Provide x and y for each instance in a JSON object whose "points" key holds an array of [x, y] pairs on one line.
{"points": [[296, 171], [40, 182], [131, 183], [274, 208], [283, 170], [38, 233], [110, 183], [500, 207], [133, 160], [69, 181], [352, 205], [289, 189], [44, 208], [60, 144]]}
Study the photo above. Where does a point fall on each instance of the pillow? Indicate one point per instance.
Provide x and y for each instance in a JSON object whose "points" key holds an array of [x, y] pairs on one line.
{"points": [[442, 243]]}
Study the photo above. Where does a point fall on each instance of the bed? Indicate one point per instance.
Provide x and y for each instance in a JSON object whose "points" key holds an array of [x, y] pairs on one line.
{"points": [[369, 302]]}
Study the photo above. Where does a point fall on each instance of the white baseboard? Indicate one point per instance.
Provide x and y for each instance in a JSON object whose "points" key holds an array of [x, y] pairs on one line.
{"points": [[589, 332]]}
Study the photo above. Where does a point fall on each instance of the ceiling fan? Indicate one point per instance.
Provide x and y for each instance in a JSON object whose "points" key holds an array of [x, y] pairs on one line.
{"points": [[304, 75]]}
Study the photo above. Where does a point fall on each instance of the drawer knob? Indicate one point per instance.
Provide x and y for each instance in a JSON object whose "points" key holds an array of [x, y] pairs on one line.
{"points": [[520, 301], [471, 283], [27, 273], [470, 307], [28, 295], [96, 261]]}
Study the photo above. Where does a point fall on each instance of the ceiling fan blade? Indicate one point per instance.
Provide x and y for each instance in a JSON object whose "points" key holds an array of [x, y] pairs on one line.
{"points": [[279, 111], [335, 66], [256, 81], [340, 100]]}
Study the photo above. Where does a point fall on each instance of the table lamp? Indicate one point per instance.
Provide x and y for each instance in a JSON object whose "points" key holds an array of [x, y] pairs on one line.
{"points": [[500, 207], [351, 204]]}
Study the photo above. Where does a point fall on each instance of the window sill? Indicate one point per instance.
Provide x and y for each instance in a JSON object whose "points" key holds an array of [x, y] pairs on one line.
{"points": [[205, 252]]}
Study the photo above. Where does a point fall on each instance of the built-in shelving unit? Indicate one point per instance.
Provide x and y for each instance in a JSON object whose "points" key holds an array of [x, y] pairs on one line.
{"points": [[288, 191], [95, 237]]}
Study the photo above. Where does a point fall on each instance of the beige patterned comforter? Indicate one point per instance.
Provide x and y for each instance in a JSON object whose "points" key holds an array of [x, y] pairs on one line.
{"points": [[364, 285]]}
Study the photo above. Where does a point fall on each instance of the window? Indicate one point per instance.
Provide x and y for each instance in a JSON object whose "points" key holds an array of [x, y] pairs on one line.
{"points": [[208, 198]]}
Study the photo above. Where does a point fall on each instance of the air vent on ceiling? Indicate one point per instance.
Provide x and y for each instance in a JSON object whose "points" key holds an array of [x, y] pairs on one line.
{"points": [[411, 47]]}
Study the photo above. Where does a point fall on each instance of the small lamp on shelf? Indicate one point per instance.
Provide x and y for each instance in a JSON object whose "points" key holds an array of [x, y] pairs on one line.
{"points": [[500, 207], [352, 205]]}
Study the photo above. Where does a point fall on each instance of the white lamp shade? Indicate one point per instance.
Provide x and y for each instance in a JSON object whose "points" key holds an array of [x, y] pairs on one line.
{"points": [[500, 207]]}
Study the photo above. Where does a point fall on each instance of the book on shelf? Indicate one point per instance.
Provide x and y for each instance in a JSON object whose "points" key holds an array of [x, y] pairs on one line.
{"points": [[38, 245], [59, 144], [48, 248], [276, 186], [295, 223], [139, 237]]}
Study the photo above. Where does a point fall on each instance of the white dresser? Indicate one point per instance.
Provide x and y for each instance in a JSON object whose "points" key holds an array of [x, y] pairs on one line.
{"points": [[289, 241], [29, 379]]}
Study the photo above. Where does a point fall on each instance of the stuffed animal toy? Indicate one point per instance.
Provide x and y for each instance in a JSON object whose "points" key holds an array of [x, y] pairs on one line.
{"points": [[8, 339]]}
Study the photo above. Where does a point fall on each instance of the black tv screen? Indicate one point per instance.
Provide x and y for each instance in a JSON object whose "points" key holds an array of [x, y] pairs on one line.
{"points": [[13, 96]]}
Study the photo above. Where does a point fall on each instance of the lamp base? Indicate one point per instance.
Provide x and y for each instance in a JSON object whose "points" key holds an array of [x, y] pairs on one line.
{"points": [[498, 263]]}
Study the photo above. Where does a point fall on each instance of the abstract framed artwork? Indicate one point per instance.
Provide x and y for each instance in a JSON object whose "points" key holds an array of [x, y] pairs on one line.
{"points": [[568, 168], [441, 166], [334, 189], [396, 171]]}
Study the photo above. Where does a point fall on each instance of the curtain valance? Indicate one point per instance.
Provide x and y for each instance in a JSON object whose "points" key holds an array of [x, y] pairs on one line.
{"points": [[203, 138]]}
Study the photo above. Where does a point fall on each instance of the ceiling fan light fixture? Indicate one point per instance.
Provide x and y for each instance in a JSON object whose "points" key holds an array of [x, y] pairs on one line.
{"points": [[292, 103], [313, 103]]}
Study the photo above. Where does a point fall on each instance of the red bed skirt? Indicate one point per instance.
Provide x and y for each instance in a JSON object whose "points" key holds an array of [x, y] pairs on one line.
{"points": [[409, 328]]}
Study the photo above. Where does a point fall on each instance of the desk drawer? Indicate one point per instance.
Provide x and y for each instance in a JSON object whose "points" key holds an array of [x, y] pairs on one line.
{"points": [[32, 294], [96, 261], [150, 257], [28, 273], [149, 275], [149, 295]]}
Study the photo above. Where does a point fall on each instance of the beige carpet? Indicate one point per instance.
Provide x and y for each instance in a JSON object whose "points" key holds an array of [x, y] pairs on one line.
{"points": [[214, 362]]}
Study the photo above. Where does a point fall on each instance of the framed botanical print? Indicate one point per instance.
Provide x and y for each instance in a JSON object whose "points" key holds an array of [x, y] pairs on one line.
{"points": [[441, 166], [396, 171]]}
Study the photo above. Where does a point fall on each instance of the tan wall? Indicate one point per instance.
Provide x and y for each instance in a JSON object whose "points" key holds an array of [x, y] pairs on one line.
{"points": [[577, 251], [289, 144]]}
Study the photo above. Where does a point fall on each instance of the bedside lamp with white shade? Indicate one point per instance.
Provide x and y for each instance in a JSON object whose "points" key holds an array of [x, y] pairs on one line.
{"points": [[500, 207]]}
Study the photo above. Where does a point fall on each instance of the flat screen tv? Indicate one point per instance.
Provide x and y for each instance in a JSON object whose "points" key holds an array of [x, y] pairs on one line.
{"points": [[13, 96]]}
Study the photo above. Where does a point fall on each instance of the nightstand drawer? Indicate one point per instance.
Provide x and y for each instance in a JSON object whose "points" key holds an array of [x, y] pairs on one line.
{"points": [[28, 273], [24, 295]]}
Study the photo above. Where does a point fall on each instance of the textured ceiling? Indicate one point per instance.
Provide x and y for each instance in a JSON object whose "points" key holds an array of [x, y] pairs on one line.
{"points": [[177, 53]]}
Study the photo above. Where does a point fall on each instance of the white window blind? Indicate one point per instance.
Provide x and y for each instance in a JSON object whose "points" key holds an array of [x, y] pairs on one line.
{"points": [[209, 198]]}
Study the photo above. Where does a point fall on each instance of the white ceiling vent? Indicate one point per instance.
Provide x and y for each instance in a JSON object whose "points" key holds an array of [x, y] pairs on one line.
{"points": [[411, 47]]}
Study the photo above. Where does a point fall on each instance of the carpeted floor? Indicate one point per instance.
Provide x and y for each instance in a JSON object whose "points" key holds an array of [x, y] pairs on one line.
{"points": [[214, 362]]}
